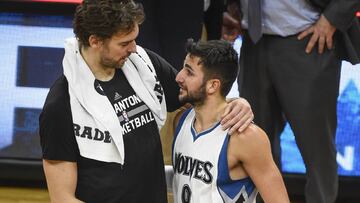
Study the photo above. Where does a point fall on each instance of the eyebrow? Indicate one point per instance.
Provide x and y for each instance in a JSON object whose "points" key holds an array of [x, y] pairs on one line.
{"points": [[127, 42], [189, 67]]}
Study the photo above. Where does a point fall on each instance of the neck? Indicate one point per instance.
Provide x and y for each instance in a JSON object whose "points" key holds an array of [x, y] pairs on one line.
{"points": [[93, 61], [209, 113]]}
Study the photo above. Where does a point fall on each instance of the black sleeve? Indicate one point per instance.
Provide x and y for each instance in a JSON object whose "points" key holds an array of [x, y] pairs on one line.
{"points": [[341, 13], [166, 74], [57, 137]]}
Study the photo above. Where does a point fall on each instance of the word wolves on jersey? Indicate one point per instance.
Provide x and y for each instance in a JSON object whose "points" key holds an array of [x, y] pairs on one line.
{"points": [[192, 167]]}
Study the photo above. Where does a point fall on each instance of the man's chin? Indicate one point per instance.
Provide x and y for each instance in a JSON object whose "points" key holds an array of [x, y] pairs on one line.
{"points": [[183, 99], [120, 65], [121, 62]]}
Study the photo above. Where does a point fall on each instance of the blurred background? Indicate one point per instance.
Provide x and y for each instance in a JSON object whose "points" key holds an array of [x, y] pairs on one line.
{"points": [[32, 35]]}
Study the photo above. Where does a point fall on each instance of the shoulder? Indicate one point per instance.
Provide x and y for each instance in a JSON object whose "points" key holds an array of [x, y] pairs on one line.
{"points": [[57, 103], [58, 90], [57, 138], [252, 133], [253, 141], [58, 96]]}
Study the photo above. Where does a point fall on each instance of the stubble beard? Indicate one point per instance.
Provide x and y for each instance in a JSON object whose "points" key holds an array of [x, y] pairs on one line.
{"points": [[196, 98], [110, 63]]}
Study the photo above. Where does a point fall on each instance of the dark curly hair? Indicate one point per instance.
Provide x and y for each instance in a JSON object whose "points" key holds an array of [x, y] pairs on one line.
{"points": [[218, 59], [104, 18]]}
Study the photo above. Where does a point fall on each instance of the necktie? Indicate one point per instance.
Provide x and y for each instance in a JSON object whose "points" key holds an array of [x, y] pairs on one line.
{"points": [[254, 11]]}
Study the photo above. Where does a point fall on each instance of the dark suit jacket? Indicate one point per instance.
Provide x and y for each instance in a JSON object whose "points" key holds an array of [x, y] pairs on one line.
{"points": [[341, 14], [168, 25]]}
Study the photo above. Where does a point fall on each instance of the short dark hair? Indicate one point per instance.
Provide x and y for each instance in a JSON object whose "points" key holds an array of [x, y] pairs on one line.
{"points": [[218, 59], [104, 18]]}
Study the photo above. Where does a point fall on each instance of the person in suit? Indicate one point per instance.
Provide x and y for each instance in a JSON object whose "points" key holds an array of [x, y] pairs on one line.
{"points": [[290, 71]]}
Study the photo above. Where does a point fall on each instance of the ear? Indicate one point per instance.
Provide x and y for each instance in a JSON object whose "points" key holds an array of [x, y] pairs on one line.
{"points": [[213, 86], [95, 42]]}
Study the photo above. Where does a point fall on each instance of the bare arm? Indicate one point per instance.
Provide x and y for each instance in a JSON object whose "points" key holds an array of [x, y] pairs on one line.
{"points": [[253, 151], [61, 178]]}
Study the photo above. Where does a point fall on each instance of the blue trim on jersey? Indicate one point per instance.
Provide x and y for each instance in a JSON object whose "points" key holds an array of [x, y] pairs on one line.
{"points": [[177, 130], [196, 136], [227, 185]]}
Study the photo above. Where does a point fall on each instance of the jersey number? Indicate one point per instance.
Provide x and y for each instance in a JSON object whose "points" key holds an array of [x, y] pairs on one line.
{"points": [[186, 194]]}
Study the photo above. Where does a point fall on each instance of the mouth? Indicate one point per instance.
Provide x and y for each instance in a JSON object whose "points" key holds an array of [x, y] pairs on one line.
{"points": [[182, 91], [124, 58]]}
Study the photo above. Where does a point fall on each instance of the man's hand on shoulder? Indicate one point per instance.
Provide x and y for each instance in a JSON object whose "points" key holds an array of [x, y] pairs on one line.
{"points": [[237, 115]]}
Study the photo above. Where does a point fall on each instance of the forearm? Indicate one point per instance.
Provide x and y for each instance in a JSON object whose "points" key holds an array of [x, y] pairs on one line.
{"points": [[268, 182], [61, 194], [273, 189], [61, 179], [66, 198], [271, 185]]}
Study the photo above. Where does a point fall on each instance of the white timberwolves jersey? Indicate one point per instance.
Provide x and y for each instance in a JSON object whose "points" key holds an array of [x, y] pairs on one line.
{"points": [[200, 165]]}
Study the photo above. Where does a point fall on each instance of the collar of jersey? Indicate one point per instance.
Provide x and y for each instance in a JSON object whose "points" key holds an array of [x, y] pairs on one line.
{"points": [[204, 132]]}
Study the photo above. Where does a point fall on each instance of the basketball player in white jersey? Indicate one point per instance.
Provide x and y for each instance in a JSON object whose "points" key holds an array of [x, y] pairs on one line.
{"points": [[209, 165]]}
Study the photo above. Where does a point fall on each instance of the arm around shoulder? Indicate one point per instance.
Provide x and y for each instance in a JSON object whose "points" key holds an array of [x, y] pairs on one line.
{"points": [[254, 152]]}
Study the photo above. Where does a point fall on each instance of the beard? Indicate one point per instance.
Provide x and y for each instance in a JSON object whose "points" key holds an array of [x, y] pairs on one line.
{"points": [[111, 63], [195, 97]]}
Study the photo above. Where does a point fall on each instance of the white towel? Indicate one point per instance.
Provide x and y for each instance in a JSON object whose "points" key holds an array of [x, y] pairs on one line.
{"points": [[93, 115]]}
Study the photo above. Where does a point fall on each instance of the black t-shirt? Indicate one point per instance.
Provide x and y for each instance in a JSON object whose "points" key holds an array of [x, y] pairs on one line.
{"points": [[141, 178]]}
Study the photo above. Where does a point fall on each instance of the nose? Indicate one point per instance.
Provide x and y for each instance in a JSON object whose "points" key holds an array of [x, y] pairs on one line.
{"points": [[179, 78], [132, 47]]}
